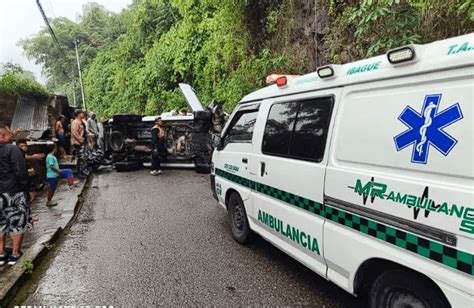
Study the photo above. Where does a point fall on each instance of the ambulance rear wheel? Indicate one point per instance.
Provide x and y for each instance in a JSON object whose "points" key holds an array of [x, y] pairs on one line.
{"points": [[399, 288], [239, 224]]}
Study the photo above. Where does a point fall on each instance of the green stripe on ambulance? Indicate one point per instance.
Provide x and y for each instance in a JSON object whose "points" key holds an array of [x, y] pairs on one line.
{"points": [[443, 254]]}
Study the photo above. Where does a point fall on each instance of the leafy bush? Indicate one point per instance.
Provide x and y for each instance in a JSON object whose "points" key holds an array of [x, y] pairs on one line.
{"points": [[16, 83], [133, 61], [359, 29]]}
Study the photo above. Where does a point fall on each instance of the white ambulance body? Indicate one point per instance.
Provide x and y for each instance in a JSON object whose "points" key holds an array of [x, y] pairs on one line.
{"points": [[363, 172]]}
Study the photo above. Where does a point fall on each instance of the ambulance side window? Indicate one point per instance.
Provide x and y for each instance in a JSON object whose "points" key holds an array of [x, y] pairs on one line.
{"points": [[311, 129], [280, 123], [298, 129], [241, 129]]}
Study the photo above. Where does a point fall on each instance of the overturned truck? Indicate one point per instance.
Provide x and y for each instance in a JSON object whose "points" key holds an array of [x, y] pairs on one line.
{"points": [[187, 137]]}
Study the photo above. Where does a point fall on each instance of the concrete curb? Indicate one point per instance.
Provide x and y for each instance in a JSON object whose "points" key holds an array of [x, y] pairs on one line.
{"points": [[15, 278]]}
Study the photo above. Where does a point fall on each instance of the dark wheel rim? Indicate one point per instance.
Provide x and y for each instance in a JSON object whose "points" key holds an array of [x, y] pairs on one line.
{"points": [[405, 299], [238, 218]]}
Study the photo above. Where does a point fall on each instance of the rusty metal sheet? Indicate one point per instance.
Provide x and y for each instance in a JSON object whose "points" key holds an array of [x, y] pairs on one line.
{"points": [[31, 116]]}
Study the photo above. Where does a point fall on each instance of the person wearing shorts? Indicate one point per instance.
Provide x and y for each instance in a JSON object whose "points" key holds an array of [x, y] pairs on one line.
{"points": [[15, 213], [54, 174]]}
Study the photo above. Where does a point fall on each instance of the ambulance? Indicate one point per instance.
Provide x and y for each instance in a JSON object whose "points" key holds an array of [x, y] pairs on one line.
{"points": [[363, 172]]}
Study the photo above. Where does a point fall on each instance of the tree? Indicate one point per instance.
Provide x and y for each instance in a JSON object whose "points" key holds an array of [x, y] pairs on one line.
{"points": [[96, 29], [134, 61], [15, 80], [367, 28]]}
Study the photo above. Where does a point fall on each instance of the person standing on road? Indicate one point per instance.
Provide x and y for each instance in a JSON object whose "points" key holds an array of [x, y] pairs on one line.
{"points": [[30, 159], [54, 174], [61, 136], [92, 130], [159, 148], [77, 131], [101, 139], [15, 213]]}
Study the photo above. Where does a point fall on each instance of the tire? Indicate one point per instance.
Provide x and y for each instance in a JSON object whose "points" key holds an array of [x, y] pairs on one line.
{"points": [[125, 166], [239, 224], [83, 170], [201, 127], [127, 118], [399, 288], [117, 141], [203, 168], [118, 157], [203, 115]]}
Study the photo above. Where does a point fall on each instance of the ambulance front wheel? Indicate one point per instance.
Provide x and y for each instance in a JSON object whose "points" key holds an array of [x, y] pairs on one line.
{"points": [[239, 224], [399, 288]]}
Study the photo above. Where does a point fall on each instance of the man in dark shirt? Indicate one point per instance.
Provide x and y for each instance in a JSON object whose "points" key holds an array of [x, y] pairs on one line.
{"points": [[22, 144], [15, 213], [159, 148]]}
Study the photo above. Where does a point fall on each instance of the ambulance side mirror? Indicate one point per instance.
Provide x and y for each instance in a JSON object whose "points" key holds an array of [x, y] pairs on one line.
{"points": [[217, 142]]}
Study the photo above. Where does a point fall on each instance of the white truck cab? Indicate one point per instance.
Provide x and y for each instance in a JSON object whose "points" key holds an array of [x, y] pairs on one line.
{"points": [[363, 172]]}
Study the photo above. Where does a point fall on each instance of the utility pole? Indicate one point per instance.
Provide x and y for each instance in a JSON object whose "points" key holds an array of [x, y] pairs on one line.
{"points": [[80, 77], [74, 93]]}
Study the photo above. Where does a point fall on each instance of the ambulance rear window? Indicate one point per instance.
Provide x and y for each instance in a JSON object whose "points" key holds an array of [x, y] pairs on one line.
{"points": [[311, 129]]}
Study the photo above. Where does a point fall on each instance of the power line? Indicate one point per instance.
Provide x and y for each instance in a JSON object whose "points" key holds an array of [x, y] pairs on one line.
{"points": [[51, 31], [55, 39], [51, 9]]}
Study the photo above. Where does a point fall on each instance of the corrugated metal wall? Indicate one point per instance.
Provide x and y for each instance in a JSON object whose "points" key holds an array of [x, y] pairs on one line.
{"points": [[31, 116]]}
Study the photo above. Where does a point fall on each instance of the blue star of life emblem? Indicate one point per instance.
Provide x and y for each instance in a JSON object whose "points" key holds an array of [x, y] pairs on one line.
{"points": [[426, 129]]}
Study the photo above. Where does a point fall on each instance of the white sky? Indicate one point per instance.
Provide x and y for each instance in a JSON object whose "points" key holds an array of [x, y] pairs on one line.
{"points": [[22, 18]]}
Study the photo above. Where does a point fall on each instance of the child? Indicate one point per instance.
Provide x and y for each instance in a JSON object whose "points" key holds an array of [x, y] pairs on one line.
{"points": [[54, 174]]}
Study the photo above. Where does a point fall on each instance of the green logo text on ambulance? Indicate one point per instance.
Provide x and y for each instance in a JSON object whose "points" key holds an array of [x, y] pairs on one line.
{"points": [[454, 49], [231, 168], [380, 190], [364, 68], [294, 234]]}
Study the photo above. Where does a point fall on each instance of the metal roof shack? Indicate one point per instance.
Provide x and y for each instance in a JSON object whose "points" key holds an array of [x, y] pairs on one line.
{"points": [[34, 118], [31, 118]]}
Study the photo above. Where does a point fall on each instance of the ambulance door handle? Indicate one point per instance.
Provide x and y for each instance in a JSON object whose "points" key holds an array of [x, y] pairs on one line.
{"points": [[262, 168], [245, 160]]}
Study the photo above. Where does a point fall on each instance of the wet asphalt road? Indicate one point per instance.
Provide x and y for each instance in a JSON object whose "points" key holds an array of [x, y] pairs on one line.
{"points": [[164, 240]]}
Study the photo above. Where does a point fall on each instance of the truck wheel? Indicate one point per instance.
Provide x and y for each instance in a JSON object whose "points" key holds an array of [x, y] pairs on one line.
{"points": [[82, 168], [203, 168], [399, 288], [203, 115], [126, 166], [117, 141], [239, 224]]}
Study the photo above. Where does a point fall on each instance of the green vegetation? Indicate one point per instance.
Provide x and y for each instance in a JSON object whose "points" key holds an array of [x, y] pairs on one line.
{"points": [[16, 81], [28, 265], [134, 60], [368, 28]]}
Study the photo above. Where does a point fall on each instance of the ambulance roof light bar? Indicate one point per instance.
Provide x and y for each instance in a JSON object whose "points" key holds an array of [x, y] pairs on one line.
{"points": [[325, 72], [279, 79], [401, 54]]}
